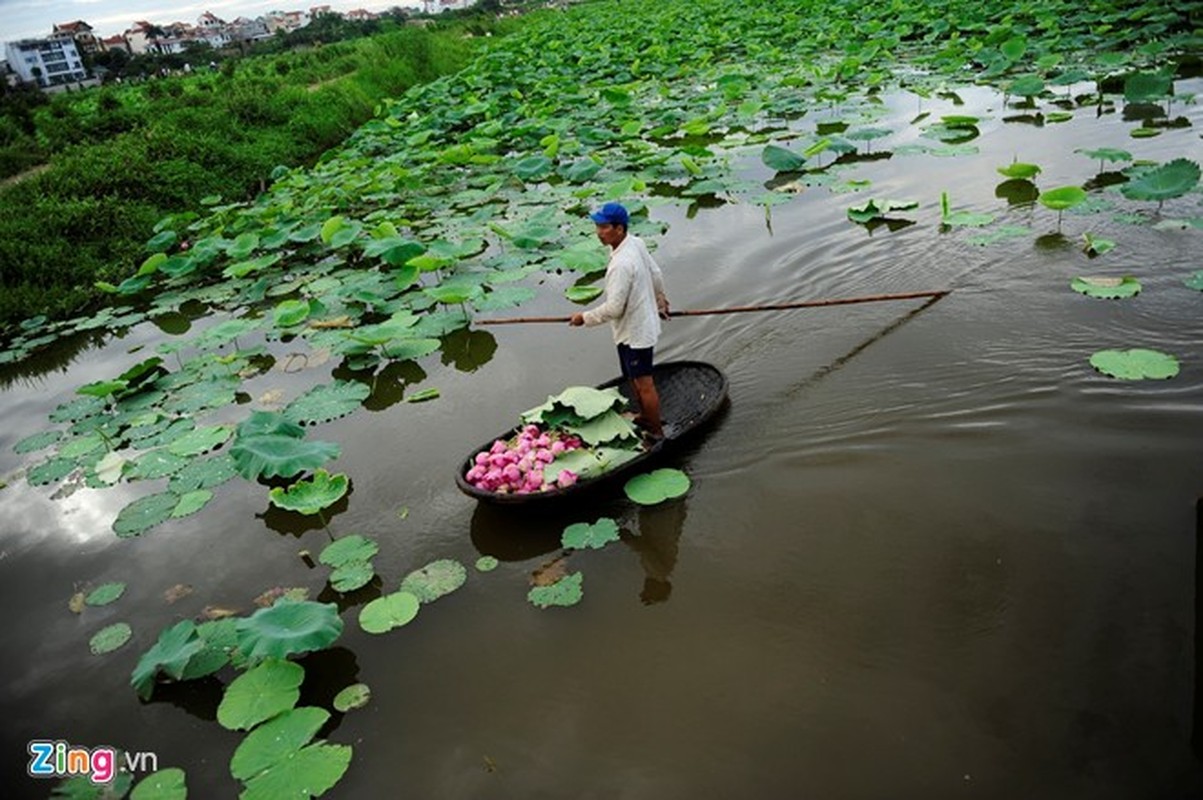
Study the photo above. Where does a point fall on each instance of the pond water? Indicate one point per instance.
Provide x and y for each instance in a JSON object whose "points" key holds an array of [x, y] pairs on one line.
{"points": [[928, 551]]}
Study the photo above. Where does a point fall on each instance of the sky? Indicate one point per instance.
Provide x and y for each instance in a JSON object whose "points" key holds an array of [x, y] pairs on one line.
{"points": [[29, 19]]}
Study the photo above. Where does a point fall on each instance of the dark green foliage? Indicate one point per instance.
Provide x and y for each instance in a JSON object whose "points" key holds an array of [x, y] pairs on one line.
{"points": [[124, 157]]}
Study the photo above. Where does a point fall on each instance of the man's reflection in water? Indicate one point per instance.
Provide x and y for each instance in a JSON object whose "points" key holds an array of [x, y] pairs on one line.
{"points": [[657, 544]]}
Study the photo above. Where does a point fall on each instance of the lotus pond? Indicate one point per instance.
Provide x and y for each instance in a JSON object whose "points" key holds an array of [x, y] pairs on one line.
{"points": [[935, 549]]}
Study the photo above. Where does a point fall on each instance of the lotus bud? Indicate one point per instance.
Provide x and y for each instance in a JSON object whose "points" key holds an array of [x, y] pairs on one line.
{"points": [[544, 456], [567, 478], [536, 475], [557, 447], [497, 460], [498, 447], [511, 473], [531, 431], [543, 441], [482, 458]]}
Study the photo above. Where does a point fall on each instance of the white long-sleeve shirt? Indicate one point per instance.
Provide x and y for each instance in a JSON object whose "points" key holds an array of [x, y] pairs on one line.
{"points": [[634, 284]]}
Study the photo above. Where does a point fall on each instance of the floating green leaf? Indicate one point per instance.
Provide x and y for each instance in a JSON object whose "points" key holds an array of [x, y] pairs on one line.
{"points": [[1018, 169], [275, 740], [434, 580], [201, 440], [166, 784], [423, 396], [191, 502], [1106, 154], [156, 464], [279, 455], [311, 496], [49, 471], [657, 486], [1195, 281], [388, 612], [583, 294], [204, 473], [308, 772], [780, 159], [1095, 246], [1136, 364], [1140, 87], [144, 513], [288, 628], [877, 208], [354, 696], [347, 549], [175, 647], [486, 564], [289, 313], [1062, 198], [1165, 182], [110, 638], [105, 593], [1026, 86], [352, 575], [1106, 288], [37, 441], [565, 592], [327, 402], [259, 694], [582, 535]]}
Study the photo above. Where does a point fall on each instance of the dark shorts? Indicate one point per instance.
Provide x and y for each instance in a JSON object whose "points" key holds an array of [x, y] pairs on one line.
{"points": [[635, 361]]}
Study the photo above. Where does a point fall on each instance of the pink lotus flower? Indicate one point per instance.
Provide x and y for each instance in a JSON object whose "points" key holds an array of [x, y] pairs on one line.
{"points": [[544, 456], [498, 447], [482, 458], [567, 478], [557, 447]]}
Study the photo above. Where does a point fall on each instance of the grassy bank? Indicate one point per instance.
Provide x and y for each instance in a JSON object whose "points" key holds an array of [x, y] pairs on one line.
{"points": [[125, 157]]}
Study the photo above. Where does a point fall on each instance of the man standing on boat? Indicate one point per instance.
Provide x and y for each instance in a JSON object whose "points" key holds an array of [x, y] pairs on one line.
{"points": [[634, 305]]}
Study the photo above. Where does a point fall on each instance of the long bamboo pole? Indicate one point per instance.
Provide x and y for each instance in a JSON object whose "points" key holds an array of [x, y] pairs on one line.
{"points": [[842, 301]]}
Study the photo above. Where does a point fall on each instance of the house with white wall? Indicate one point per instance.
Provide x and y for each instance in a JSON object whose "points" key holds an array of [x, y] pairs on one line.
{"points": [[46, 62]]}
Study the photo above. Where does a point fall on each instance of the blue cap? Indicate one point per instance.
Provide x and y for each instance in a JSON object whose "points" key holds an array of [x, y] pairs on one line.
{"points": [[612, 214]]}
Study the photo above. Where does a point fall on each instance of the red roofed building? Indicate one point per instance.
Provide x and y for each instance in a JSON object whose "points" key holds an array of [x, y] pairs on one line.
{"points": [[79, 32]]}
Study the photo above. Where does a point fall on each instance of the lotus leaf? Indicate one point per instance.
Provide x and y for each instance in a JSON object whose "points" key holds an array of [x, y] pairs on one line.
{"points": [[311, 496], [533, 168], [201, 440], [1195, 281], [565, 592], [259, 694], [1026, 86], [1062, 198], [156, 464], [1106, 288], [434, 580], [388, 612], [351, 576], [191, 502], [1136, 364], [279, 455], [49, 471], [584, 257], [80, 787], [1017, 169], [1106, 154], [876, 208], [410, 349], [1095, 246], [144, 513], [596, 536], [101, 388], [327, 402], [454, 293], [310, 771], [504, 297], [1165, 182], [105, 593], [348, 549], [583, 294], [1140, 87], [423, 396], [175, 647], [110, 638], [780, 159], [1144, 133], [204, 473], [76, 410], [585, 401], [354, 696], [486, 564], [166, 784], [288, 628], [109, 468], [657, 486], [290, 313], [275, 740], [211, 393], [37, 441], [218, 638]]}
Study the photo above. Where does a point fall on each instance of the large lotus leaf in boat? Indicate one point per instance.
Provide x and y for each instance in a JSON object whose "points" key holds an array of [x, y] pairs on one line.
{"points": [[259, 694], [586, 401], [288, 628]]}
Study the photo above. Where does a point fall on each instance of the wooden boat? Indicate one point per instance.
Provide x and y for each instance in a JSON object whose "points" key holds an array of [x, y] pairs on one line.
{"points": [[691, 394]]}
